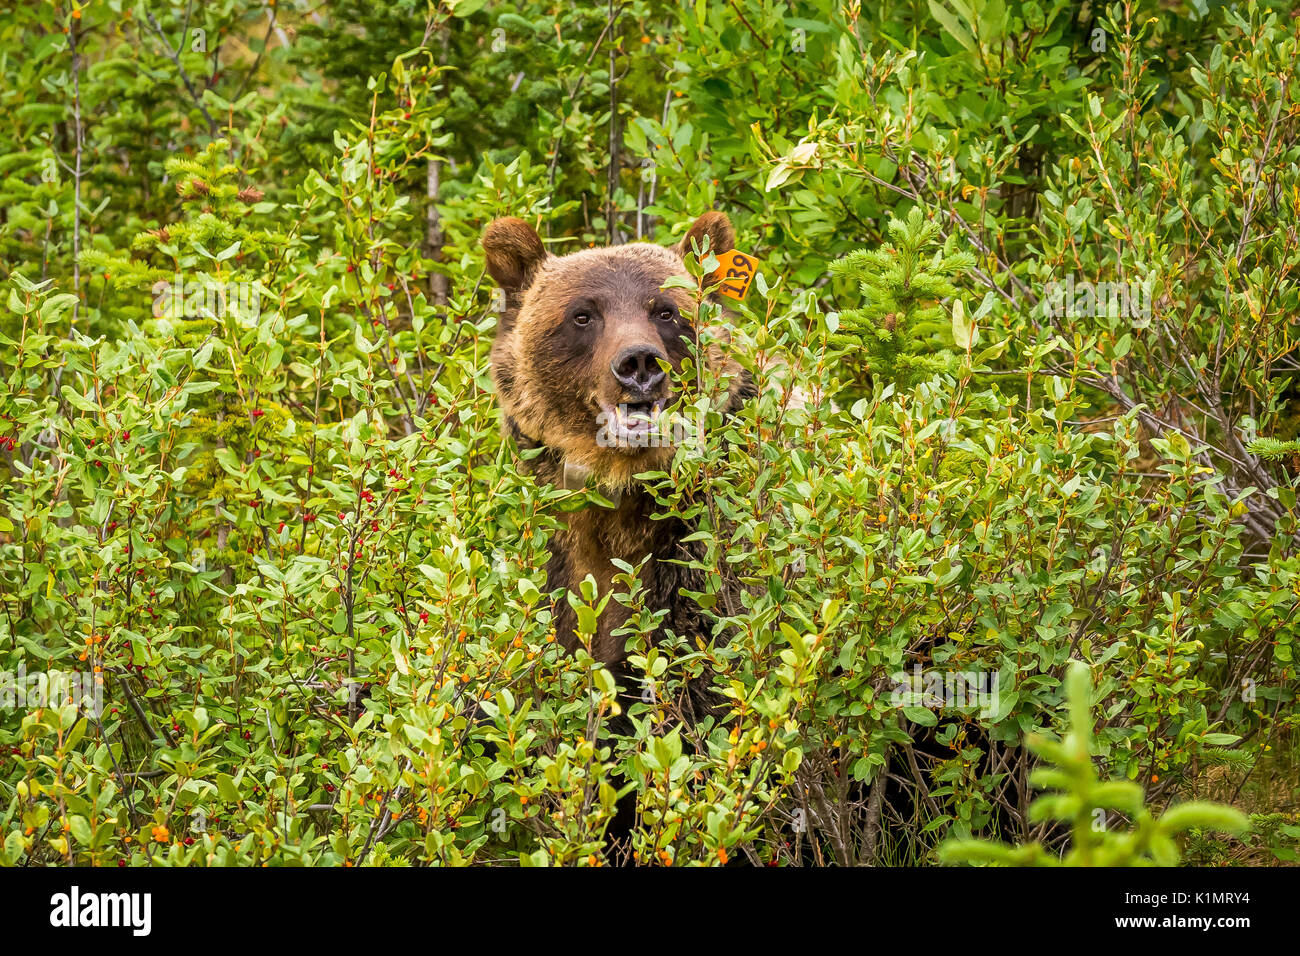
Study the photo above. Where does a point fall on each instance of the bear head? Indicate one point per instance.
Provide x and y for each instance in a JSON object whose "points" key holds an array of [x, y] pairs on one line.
{"points": [[583, 343]]}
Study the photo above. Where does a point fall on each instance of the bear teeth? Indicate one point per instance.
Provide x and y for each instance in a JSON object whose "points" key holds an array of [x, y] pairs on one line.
{"points": [[636, 416]]}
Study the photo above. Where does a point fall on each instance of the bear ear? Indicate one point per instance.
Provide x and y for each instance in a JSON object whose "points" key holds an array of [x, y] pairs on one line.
{"points": [[514, 251], [715, 225]]}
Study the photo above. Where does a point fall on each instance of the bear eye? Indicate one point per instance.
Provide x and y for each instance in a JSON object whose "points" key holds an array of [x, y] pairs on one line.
{"points": [[581, 318], [666, 314]]}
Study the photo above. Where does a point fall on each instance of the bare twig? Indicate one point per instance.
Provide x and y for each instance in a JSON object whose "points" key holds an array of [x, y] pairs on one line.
{"points": [[174, 56]]}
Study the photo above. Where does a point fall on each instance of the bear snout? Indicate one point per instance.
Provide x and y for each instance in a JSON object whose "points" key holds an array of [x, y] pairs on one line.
{"points": [[636, 368]]}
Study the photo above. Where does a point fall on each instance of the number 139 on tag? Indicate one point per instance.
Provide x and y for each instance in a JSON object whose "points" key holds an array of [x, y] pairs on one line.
{"points": [[735, 271]]}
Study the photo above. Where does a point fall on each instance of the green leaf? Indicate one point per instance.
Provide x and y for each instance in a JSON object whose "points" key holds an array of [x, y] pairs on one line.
{"points": [[920, 715]]}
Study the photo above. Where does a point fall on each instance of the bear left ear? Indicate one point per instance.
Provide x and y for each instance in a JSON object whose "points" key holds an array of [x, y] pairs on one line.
{"points": [[715, 225], [514, 251]]}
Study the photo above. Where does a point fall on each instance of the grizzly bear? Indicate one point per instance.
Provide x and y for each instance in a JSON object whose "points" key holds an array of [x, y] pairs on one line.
{"points": [[579, 362]]}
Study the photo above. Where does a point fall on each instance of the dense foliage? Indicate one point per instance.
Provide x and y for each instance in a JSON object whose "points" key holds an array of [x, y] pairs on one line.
{"points": [[1025, 336]]}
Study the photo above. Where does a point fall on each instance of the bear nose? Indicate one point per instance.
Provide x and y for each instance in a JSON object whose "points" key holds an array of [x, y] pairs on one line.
{"points": [[637, 367]]}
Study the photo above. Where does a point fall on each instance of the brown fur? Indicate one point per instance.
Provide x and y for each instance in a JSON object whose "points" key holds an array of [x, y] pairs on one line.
{"points": [[572, 328]]}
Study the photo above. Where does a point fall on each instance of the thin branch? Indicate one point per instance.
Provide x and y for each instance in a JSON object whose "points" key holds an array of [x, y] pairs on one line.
{"points": [[174, 56]]}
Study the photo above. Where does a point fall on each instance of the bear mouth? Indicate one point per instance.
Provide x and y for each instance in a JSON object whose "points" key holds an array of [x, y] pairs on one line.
{"points": [[631, 423]]}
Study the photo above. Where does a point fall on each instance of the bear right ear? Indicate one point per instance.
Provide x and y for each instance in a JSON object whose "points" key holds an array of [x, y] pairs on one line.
{"points": [[715, 225], [514, 251]]}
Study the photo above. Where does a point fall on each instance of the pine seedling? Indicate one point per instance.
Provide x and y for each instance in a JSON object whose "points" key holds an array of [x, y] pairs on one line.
{"points": [[1094, 808], [901, 323]]}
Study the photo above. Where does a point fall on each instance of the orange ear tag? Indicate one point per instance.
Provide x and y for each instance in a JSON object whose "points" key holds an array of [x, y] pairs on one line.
{"points": [[735, 271]]}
